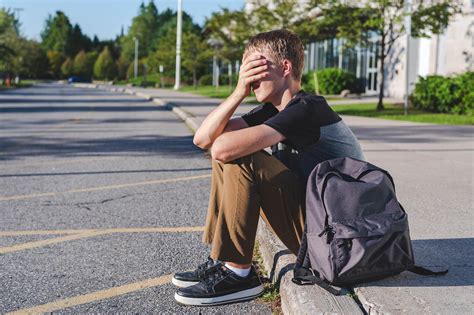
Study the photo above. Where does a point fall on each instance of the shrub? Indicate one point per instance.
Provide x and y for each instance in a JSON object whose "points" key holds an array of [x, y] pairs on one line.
{"points": [[205, 80], [331, 81], [224, 79], [445, 94]]}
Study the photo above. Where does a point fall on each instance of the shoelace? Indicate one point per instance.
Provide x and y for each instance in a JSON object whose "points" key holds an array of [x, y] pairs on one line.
{"points": [[214, 276], [207, 266]]}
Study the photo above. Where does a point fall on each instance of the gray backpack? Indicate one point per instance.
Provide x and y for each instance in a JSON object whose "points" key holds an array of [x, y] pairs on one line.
{"points": [[356, 230]]}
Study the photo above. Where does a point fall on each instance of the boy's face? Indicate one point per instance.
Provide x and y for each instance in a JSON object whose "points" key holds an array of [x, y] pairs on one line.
{"points": [[269, 88]]}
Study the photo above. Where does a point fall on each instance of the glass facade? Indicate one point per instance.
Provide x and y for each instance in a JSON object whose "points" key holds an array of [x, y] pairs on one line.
{"points": [[360, 60]]}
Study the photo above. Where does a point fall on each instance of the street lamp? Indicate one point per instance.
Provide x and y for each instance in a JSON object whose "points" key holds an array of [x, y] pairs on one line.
{"points": [[135, 67], [178, 45], [216, 45], [407, 63]]}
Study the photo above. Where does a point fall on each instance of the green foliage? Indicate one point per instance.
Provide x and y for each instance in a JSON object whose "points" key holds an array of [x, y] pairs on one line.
{"points": [[56, 60], [8, 36], [205, 79], [31, 60], [396, 112], [355, 21], [331, 81], [61, 36], [105, 67], [195, 54], [67, 68], [122, 67], [131, 69], [84, 64], [445, 94]]}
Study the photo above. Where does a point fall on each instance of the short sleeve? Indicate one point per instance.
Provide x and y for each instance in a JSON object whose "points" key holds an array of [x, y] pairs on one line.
{"points": [[260, 114], [297, 123]]}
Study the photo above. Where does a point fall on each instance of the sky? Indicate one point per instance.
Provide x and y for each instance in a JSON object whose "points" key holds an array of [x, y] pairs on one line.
{"points": [[105, 18]]}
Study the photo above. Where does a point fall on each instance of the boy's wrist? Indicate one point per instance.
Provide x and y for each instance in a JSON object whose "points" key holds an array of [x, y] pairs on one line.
{"points": [[237, 96]]}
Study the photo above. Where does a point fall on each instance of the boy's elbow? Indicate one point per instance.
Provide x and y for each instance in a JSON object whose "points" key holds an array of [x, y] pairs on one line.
{"points": [[219, 154], [200, 143]]}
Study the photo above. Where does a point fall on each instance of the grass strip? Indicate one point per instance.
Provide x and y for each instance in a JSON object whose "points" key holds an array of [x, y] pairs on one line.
{"points": [[271, 294], [395, 112]]}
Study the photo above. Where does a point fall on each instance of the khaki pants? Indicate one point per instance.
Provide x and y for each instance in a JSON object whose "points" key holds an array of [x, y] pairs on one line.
{"points": [[243, 189]]}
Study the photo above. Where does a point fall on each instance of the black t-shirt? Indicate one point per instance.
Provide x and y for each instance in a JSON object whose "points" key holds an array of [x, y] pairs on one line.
{"points": [[313, 132], [300, 121]]}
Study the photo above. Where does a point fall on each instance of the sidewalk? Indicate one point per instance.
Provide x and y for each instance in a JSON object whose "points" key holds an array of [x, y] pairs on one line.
{"points": [[433, 169]]}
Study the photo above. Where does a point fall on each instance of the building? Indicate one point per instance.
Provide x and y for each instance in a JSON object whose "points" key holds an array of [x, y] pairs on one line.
{"points": [[449, 53]]}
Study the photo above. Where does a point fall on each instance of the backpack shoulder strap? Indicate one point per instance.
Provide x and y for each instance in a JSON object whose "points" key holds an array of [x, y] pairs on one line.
{"points": [[426, 272], [303, 276]]}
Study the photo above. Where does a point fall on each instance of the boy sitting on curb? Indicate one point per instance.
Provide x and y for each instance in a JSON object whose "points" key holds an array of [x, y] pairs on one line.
{"points": [[247, 182]]}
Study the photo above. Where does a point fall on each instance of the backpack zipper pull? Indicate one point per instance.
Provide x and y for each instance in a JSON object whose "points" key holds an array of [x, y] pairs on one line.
{"points": [[329, 232]]}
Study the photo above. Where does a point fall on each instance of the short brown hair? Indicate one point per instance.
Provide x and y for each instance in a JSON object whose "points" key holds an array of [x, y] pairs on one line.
{"points": [[281, 44]]}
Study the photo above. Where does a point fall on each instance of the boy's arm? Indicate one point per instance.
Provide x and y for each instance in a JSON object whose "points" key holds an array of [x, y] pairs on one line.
{"points": [[234, 144], [253, 69]]}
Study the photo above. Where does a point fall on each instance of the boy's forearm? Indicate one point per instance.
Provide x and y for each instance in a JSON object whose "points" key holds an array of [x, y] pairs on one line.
{"points": [[214, 124]]}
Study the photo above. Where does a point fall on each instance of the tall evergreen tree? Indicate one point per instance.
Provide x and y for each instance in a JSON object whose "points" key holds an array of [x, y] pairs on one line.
{"points": [[61, 36], [105, 67]]}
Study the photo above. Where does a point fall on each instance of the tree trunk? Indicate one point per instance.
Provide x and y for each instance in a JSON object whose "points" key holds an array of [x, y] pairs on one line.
{"points": [[194, 78], [380, 106]]}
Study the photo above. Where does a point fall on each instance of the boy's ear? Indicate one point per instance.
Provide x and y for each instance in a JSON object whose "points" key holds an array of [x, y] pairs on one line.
{"points": [[287, 67]]}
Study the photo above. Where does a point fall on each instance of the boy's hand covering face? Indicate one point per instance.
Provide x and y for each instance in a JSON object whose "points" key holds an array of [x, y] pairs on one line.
{"points": [[254, 68]]}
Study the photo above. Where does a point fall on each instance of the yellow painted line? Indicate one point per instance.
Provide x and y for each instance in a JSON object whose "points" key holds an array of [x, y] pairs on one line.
{"points": [[113, 230], [42, 232], [91, 159], [29, 245], [94, 296], [85, 234], [152, 182]]}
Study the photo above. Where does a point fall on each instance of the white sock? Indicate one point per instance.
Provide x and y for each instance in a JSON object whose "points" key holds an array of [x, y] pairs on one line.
{"points": [[239, 271]]}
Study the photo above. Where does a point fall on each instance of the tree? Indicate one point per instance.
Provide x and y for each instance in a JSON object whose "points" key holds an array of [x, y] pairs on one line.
{"points": [[385, 19], [9, 34], [84, 64], [59, 35], [195, 53], [105, 67], [33, 62], [165, 52], [67, 68], [143, 27], [234, 28], [56, 59], [56, 33], [122, 67]]}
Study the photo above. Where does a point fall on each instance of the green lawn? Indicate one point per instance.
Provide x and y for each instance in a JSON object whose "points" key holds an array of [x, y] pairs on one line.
{"points": [[396, 113], [23, 84], [224, 91], [211, 91]]}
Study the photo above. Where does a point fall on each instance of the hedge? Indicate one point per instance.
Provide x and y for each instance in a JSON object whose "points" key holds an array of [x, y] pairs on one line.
{"points": [[440, 94], [331, 81]]}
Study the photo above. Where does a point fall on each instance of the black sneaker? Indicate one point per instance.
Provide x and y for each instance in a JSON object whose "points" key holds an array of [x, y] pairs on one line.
{"points": [[221, 286], [189, 278]]}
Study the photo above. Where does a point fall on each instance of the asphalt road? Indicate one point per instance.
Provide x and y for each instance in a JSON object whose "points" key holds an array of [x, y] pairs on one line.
{"points": [[102, 197]]}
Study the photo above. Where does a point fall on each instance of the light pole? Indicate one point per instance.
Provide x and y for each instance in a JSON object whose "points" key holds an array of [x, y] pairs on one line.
{"points": [[135, 66], [407, 63], [178, 45], [216, 45]]}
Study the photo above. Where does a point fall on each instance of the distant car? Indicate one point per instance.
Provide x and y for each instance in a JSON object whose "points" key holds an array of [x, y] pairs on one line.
{"points": [[73, 79], [76, 79]]}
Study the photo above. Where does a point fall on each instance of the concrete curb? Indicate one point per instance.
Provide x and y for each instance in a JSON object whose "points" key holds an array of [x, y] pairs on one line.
{"points": [[276, 257]]}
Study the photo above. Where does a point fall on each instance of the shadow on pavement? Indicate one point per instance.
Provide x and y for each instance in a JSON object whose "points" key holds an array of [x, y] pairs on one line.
{"points": [[49, 109], [109, 172], [180, 147], [455, 254], [413, 134]]}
